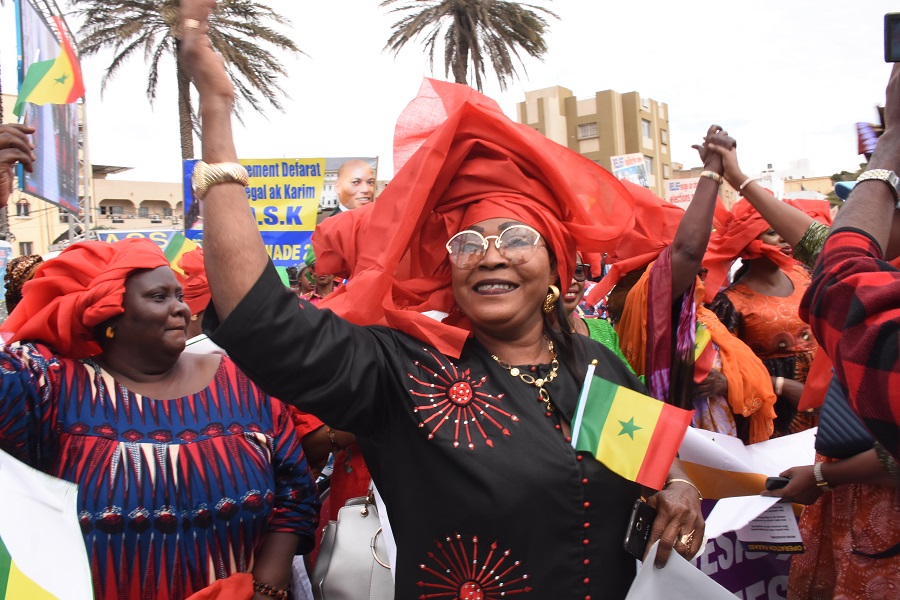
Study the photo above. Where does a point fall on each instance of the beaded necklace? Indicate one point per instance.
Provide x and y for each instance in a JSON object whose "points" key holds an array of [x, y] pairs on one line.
{"points": [[539, 382]]}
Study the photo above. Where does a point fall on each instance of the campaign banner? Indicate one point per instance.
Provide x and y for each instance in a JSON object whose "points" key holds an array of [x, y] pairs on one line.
{"points": [[284, 200], [631, 167], [161, 237], [680, 192], [55, 176]]}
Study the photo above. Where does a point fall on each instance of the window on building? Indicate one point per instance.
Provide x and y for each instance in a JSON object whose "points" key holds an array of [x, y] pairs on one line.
{"points": [[645, 128], [143, 212], [666, 172], [587, 130], [23, 208], [116, 210], [64, 217], [663, 136], [648, 160], [645, 102], [26, 248]]}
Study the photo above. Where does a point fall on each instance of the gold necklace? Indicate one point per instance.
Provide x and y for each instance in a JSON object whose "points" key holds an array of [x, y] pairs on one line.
{"points": [[543, 394]]}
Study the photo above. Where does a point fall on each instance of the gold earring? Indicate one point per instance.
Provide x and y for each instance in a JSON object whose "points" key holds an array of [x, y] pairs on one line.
{"points": [[193, 317], [110, 333], [550, 300]]}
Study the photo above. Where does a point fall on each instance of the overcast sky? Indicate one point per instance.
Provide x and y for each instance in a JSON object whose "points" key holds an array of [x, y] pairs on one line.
{"points": [[787, 78]]}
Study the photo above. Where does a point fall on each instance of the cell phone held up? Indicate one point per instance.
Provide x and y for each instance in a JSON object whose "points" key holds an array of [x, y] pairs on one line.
{"points": [[892, 37], [639, 527]]}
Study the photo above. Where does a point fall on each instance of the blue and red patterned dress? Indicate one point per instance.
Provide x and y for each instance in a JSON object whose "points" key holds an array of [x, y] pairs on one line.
{"points": [[172, 494]]}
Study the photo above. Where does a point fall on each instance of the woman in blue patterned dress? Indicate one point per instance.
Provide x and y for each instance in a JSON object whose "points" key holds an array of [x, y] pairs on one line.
{"points": [[187, 471]]}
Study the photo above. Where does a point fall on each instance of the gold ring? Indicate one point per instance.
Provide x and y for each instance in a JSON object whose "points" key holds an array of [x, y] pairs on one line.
{"points": [[192, 24], [687, 538]]}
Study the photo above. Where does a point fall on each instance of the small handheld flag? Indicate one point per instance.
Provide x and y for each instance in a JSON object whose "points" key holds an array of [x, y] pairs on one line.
{"points": [[54, 81], [633, 435], [177, 247]]}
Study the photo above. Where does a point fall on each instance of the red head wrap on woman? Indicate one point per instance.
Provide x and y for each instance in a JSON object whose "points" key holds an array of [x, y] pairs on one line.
{"points": [[82, 287], [453, 147], [196, 287], [735, 236], [655, 224]]}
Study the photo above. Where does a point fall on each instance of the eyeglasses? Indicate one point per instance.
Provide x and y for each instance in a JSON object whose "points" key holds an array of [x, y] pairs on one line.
{"points": [[516, 244], [582, 272]]}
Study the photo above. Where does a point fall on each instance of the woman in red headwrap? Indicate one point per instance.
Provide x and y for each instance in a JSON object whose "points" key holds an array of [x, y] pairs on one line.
{"points": [[848, 538], [762, 303], [462, 414], [186, 471]]}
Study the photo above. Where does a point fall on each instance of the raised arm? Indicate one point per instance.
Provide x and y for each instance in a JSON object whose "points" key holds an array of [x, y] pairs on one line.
{"points": [[232, 247], [788, 222], [692, 236]]}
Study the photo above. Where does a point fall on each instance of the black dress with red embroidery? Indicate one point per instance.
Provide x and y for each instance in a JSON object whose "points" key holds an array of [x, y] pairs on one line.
{"points": [[486, 496]]}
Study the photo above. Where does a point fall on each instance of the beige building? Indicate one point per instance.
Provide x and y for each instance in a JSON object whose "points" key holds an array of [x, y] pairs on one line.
{"points": [[605, 125], [823, 185]]}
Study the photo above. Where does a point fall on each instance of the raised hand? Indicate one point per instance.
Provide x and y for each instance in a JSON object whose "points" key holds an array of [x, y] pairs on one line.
{"points": [[15, 148]]}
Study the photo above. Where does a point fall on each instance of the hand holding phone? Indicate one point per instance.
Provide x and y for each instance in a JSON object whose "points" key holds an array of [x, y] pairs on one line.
{"points": [[639, 527], [776, 483]]}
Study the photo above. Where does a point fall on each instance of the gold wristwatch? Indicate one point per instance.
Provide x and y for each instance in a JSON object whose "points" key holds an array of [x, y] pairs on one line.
{"points": [[206, 175]]}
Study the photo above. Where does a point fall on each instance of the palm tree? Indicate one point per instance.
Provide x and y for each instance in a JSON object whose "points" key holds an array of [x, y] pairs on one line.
{"points": [[153, 26], [480, 30]]}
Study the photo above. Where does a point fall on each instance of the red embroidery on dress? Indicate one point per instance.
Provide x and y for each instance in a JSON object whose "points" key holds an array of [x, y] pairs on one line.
{"points": [[460, 577], [454, 396]]}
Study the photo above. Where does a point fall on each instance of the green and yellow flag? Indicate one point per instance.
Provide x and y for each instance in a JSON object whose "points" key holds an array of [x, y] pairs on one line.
{"points": [[177, 247], [16, 584], [633, 435], [54, 81]]}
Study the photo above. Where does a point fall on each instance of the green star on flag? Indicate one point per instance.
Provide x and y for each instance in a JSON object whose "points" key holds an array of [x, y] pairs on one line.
{"points": [[629, 427]]}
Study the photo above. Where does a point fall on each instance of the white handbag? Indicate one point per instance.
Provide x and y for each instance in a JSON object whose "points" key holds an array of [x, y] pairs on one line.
{"points": [[352, 562]]}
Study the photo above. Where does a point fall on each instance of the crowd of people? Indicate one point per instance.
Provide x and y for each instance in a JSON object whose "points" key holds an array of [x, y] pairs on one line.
{"points": [[434, 344]]}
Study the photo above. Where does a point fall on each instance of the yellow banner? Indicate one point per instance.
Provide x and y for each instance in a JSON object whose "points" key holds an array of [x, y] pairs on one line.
{"points": [[284, 194]]}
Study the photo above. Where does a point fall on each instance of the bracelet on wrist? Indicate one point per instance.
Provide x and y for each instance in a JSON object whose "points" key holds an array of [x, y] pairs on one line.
{"points": [[690, 483], [713, 175], [333, 439], [820, 479], [747, 182], [270, 590], [778, 386]]}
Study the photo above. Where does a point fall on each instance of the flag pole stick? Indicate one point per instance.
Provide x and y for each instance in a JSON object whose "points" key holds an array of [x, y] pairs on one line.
{"points": [[582, 402]]}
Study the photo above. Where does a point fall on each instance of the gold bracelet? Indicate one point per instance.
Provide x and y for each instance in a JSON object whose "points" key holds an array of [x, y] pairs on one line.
{"points": [[821, 483], [745, 184], [331, 438], [690, 483], [713, 175]]}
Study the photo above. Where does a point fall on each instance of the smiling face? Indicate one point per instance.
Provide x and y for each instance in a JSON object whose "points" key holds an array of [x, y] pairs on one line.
{"points": [[773, 239], [155, 314], [355, 184], [499, 298], [573, 295]]}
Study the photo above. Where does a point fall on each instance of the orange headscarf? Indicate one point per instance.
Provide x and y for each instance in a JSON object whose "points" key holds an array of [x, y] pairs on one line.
{"points": [[454, 148], [76, 291], [736, 234], [196, 287]]}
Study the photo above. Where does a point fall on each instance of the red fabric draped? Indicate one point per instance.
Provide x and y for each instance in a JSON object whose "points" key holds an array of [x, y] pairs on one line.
{"points": [[196, 287], [455, 147], [735, 236], [655, 224], [79, 289]]}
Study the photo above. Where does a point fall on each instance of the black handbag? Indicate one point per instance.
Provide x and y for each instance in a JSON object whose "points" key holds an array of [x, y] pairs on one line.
{"points": [[841, 432]]}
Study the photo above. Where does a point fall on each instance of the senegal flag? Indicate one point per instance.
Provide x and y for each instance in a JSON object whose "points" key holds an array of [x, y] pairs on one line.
{"points": [[177, 247], [632, 434], [54, 81]]}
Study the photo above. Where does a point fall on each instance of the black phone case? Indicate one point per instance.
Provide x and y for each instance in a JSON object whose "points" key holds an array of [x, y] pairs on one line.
{"points": [[639, 527]]}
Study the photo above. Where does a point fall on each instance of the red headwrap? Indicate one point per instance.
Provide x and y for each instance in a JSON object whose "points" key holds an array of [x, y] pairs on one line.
{"points": [[76, 291], [655, 224], [736, 234], [456, 147], [196, 287]]}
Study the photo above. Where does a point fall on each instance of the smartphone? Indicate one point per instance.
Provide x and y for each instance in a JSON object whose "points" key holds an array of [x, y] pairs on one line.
{"points": [[892, 37], [639, 526], [776, 483]]}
